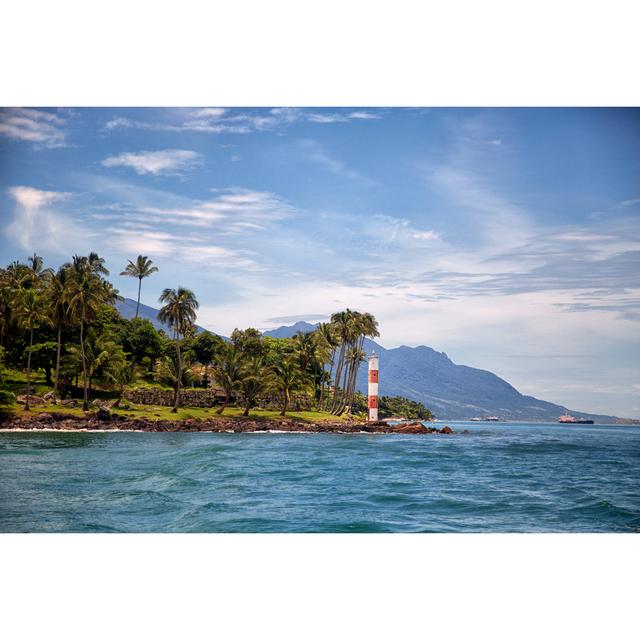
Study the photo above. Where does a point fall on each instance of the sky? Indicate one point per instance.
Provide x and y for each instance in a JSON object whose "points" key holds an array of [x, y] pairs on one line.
{"points": [[507, 238]]}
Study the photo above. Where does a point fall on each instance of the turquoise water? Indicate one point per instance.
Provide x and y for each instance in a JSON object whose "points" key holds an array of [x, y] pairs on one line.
{"points": [[499, 477]]}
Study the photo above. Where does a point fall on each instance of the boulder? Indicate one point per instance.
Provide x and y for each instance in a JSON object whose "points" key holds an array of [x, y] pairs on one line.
{"points": [[33, 400], [409, 427], [103, 414], [446, 429]]}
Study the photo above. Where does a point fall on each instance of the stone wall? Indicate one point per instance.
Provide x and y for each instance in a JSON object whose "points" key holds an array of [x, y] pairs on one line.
{"points": [[164, 397], [298, 402], [208, 398]]}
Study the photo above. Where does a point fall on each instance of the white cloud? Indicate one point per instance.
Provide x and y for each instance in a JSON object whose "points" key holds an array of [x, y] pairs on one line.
{"points": [[220, 120], [166, 161], [35, 225], [210, 112], [42, 128], [364, 115]]}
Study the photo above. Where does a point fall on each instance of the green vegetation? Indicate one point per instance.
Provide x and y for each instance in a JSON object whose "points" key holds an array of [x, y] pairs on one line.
{"points": [[65, 322], [389, 406]]}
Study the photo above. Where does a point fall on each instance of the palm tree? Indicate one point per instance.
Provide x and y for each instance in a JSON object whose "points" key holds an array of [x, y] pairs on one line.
{"points": [[122, 373], [96, 264], [100, 353], [30, 312], [228, 372], [179, 312], [256, 377], [59, 315], [355, 356], [86, 293], [344, 327], [329, 340], [167, 372], [141, 268], [288, 378]]}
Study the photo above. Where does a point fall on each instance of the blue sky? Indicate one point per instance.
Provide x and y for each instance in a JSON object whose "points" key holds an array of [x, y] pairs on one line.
{"points": [[508, 238]]}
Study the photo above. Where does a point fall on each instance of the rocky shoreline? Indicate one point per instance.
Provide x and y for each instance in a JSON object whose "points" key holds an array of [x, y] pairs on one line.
{"points": [[103, 421]]}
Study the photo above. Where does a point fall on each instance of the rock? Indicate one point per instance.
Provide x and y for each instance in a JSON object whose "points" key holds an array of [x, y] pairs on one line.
{"points": [[446, 429], [45, 417], [103, 414], [71, 402], [49, 396], [33, 400], [409, 427]]}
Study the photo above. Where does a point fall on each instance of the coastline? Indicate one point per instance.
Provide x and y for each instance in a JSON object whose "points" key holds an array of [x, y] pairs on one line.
{"points": [[59, 422]]}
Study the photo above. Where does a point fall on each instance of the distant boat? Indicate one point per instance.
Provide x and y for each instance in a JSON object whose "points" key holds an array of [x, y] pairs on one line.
{"points": [[568, 419], [488, 419]]}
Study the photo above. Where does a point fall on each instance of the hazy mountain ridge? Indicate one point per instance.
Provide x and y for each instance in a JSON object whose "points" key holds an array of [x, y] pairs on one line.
{"points": [[452, 391]]}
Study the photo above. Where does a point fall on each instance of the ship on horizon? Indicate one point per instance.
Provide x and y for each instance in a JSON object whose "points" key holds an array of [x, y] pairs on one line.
{"points": [[569, 419]]}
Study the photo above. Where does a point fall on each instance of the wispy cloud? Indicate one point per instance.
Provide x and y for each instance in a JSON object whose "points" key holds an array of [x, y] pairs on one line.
{"points": [[219, 120], [42, 128], [313, 151], [166, 161]]}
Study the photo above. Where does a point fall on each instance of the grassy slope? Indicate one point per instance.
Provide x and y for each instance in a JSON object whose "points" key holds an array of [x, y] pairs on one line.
{"points": [[164, 413], [15, 380]]}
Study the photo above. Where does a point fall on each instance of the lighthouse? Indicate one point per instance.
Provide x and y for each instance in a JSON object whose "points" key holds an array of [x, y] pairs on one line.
{"points": [[373, 387]]}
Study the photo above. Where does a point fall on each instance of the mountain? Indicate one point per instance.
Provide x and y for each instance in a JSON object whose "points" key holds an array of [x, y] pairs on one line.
{"points": [[127, 309], [451, 391]]}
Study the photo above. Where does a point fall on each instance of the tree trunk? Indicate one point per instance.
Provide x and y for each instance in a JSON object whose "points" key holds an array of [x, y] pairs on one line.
{"points": [[85, 402], [138, 304], [26, 404], [56, 384], [285, 403], [336, 384], [246, 408], [177, 399], [223, 406], [352, 387], [338, 405]]}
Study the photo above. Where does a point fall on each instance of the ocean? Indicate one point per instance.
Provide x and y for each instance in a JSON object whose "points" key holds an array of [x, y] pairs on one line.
{"points": [[499, 477]]}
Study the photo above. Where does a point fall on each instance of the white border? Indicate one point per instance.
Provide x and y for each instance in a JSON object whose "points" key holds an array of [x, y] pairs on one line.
{"points": [[319, 586], [287, 52]]}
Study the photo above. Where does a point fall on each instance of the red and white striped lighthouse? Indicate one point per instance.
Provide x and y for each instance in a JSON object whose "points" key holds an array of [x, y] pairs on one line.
{"points": [[373, 387]]}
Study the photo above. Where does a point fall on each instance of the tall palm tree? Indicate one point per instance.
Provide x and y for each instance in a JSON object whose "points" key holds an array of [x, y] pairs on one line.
{"points": [[179, 312], [228, 372], [141, 268], [86, 293], [59, 315], [30, 312]]}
